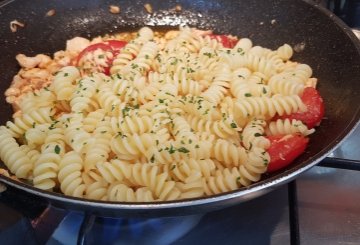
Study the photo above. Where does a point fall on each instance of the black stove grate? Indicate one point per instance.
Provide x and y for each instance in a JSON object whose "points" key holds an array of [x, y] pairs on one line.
{"points": [[338, 163], [292, 200], [293, 214], [36, 217]]}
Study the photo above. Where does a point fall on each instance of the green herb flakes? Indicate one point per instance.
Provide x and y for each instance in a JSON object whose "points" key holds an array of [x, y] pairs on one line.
{"points": [[57, 149]]}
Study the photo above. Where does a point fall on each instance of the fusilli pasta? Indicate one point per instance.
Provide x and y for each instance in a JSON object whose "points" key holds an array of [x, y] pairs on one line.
{"points": [[175, 115]]}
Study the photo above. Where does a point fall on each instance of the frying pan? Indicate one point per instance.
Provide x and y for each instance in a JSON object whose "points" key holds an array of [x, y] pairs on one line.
{"points": [[329, 48]]}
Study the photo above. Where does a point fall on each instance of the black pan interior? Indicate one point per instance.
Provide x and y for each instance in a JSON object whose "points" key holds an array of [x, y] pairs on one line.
{"points": [[329, 48]]}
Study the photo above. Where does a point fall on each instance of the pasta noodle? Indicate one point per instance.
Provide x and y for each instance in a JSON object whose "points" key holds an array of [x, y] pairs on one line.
{"points": [[168, 116]]}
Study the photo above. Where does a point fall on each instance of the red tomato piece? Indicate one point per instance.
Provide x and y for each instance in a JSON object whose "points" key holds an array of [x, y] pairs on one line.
{"points": [[113, 46], [315, 108], [283, 151], [92, 48], [116, 44], [226, 41]]}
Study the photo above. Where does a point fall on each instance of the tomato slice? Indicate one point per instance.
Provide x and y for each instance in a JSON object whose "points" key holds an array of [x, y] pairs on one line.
{"points": [[113, 46], [116, 44], [92, 48], [315, 108], [284, 149], [227, 41]]}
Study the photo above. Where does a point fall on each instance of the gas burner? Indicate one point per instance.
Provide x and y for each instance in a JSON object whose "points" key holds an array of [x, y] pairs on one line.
{"points": [[99, 230]]}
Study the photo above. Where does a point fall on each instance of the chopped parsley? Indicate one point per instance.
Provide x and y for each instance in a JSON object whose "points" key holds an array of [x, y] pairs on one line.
{"points": [[57, 149], [174, 62], [183, 150], [208, 54], [266, 162], [172, 149], [233, 125], [134, 66]]}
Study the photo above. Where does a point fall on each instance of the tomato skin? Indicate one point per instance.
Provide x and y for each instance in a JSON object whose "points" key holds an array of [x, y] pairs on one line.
{"points": [[92, 48], [113, 46], [116, 44], [226, 41], [315, 105], [283, 152]]}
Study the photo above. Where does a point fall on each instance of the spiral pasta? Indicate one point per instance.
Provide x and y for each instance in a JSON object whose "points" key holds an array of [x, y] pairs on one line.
{"points": [[11, 154], [75, 135], [36, 136], [69, 176], [32, 153], [253, 135], [132, 146], [37, 100], [192, 187], [148, 176], [27, 121], [283, 86], [287, 126], [97, 190], [100, 145], [142, 63], [92, 119], [175, 115], [218, 88], [47, 166], [82, 97], [228, 154], [278, 104], [182, 170], [131, 50], [122, 193], [222, 181], [221, 128], [115, 170], [256, 164], [171, 151], [63, 84]]}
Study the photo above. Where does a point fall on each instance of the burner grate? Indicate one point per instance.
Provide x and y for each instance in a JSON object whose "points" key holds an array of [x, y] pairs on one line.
{"points": [[337, 163], [292, 201], [37, 216]]}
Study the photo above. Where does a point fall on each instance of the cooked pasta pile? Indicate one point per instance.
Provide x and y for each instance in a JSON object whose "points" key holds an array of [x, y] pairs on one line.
{"points": [[179, 116]]}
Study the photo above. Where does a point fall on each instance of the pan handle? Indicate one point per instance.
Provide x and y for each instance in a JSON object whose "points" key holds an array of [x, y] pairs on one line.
{"points": [[334, 162]]}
